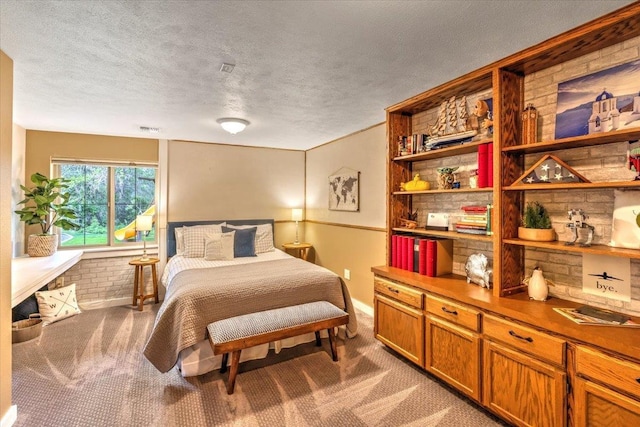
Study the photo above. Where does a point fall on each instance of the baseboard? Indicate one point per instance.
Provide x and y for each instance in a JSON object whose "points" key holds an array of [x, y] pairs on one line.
{"points": [[9, 417], [92, 305], [362, 307]]}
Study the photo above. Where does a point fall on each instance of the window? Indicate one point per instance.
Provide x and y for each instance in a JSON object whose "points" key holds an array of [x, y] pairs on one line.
{"points": [[107, 198]]}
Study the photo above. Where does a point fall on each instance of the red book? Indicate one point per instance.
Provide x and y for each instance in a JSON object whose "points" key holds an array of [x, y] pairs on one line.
{"points": [[482, 166], [490, 164], [394, 251], [422, 257], [410, 243], [404, 262], [431, 258]]}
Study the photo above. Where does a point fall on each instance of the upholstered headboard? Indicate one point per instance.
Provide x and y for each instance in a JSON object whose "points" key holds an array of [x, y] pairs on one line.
{"points": [[171, 227]]}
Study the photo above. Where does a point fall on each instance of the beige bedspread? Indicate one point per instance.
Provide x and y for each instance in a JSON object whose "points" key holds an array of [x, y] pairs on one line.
{"points": [[201, 296]]}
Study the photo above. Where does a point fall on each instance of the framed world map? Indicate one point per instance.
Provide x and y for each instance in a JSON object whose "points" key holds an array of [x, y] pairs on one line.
{"points": [[344, 191]]}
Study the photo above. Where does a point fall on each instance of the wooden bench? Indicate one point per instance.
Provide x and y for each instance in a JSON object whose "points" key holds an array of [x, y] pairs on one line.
{"points": [[236, 333]]}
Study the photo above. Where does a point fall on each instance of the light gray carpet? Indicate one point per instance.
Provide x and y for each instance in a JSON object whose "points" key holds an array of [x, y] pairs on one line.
{"points": [[89, 371]]}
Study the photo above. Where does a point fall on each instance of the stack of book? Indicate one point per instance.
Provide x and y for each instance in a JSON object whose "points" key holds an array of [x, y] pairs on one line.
{"points": [[476, 220], [425, 256]]}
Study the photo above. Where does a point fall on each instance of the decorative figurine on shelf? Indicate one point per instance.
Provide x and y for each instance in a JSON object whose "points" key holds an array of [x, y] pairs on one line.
{"points": [[480, 120], [412, 222], [415, 185], [446, 178], [473, 178], [478, 270], [634, 161], [537, 285], [577, 218], [529, 125]]}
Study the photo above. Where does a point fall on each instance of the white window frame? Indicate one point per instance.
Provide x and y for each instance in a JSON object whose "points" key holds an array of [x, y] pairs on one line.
{"points": [[110, 245]]}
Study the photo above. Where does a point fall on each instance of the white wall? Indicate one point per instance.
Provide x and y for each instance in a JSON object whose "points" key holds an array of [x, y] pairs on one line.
{"points": [[364, 151], [17, 179]]}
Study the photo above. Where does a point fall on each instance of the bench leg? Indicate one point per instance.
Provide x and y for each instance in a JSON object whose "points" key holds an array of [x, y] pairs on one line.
{"points": [[225, 360], [332, 343], [235, 359], [318, 342]]}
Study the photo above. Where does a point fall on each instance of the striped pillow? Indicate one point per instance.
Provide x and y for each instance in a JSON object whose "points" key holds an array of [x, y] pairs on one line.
{"points": [[193, 239], [264, 236]]}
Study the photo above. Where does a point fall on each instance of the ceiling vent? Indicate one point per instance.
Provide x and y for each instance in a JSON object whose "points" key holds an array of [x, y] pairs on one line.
{"points": [[227, 68], [147, 129]]}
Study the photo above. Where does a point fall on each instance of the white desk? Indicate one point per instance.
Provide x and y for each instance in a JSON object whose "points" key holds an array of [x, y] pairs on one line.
{"points": [[30, 274]]}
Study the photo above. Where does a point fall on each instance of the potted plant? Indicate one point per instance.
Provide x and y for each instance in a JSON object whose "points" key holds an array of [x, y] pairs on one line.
{"points": [[536, 224], [46, 204]]}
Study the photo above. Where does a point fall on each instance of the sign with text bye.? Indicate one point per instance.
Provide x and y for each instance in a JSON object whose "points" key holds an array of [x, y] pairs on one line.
{"points": [[606, 276]]}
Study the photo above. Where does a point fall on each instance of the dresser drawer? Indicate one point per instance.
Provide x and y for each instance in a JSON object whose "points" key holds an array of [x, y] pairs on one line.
{"points": [[399, 292], [609, 370], [544, 346], [453, 312]]}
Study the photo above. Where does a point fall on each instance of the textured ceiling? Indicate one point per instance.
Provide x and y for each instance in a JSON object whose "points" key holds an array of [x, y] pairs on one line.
{"points": [[307, 72]]}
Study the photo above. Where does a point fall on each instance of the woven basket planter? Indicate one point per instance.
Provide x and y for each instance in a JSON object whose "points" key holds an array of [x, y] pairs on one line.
{"points": [[42, 244], [25, 330]]}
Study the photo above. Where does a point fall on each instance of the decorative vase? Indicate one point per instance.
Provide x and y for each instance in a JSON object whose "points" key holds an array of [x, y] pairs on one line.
{"points": [[537, 234], [40, 245], [537, 287]]}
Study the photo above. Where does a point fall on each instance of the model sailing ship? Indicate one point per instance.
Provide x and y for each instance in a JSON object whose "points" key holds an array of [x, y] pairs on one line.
{"points": [[452, 125]]}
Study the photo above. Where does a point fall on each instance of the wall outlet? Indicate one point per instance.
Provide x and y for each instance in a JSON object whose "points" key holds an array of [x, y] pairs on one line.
{"points": [[347, 274]]}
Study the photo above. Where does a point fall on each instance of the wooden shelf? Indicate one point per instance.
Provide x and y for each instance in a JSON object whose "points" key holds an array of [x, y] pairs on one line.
{"points": [[466, 148], [457, 190], [445, 234], [593, 249], [574, 186], [576, 142]]}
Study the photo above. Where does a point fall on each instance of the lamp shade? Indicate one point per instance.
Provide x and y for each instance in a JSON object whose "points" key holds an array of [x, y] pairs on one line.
{"points": [[233, 125], [296, 214], [144, 222]]}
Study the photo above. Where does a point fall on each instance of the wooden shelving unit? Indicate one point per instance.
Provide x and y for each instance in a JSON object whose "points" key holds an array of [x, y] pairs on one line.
{"points": [[409, 307], [456, 190], [593, 249], [576, 142], [444, 234]]}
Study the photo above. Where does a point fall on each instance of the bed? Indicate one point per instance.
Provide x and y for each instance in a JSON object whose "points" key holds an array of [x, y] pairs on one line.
{"points": [[201, 291]]}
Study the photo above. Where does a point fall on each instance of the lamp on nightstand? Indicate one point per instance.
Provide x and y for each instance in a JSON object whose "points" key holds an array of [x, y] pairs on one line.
{"points": [[144, 223], [296, 215]]}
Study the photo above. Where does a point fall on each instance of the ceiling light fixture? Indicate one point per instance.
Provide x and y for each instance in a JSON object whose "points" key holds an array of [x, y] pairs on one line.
{"points": [[233, 125]]}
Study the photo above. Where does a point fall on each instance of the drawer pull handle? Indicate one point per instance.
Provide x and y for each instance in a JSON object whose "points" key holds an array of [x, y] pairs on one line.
{"points": [[455, 313], [393, 290], [638, 380], [520, 337]]}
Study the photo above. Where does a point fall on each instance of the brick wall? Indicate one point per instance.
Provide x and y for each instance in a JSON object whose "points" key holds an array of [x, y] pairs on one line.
{"points": [[600, 163], [105, 281]]}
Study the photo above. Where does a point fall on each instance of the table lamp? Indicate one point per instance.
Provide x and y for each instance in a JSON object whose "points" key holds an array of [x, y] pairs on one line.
{"points": [[144, 223], [296, 215]]}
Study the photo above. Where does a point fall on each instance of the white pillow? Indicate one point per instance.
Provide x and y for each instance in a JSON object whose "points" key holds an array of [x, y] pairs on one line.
{"points": [[57, 304], [219, 246], [625, 231], [179, 240], [264, 236], [193, 239]]}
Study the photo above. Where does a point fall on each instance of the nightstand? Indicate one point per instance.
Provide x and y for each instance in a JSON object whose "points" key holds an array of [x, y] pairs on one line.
{"points": [[138, 281], [301, 250]]}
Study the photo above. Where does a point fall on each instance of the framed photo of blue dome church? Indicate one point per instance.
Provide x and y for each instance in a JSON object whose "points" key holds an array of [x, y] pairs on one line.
{"points": [[599, 102]]}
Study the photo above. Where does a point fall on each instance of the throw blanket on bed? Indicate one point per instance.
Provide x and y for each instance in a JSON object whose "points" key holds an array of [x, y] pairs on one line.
{"points": [[198, 297]]}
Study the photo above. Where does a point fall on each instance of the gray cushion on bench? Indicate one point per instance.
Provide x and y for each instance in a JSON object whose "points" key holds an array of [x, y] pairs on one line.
{"points": [[263, 322]]}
